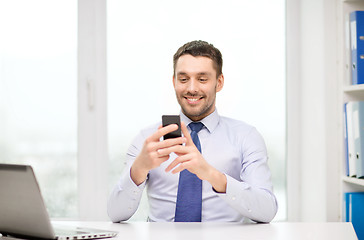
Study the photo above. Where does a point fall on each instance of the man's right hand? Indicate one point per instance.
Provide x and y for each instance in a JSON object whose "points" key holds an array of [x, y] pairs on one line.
{"points": [[149, 157]]}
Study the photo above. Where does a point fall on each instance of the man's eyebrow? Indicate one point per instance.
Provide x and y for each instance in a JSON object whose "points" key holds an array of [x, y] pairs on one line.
{"points": [[199, 74], [203, 73], [182, 73]]}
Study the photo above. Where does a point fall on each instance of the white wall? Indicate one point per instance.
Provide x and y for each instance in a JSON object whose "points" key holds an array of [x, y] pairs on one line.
{"points": [[313, 111]]}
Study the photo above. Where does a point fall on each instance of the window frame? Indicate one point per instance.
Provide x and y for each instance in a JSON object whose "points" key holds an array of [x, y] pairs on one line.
{"points": [[92, 110]]}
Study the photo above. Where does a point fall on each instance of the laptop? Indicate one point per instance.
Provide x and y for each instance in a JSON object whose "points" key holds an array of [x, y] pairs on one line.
{"points": [[23, 213]]}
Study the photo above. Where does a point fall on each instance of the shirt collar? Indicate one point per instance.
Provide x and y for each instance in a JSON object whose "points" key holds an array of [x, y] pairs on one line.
{"points": [[210, 122]]}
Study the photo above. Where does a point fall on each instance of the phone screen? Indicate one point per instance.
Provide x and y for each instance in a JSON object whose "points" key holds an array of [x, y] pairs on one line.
{"points": [[172, 119]]}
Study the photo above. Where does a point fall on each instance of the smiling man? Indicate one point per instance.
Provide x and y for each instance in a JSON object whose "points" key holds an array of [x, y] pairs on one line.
{"points": [[217, 171], [196, 83]]}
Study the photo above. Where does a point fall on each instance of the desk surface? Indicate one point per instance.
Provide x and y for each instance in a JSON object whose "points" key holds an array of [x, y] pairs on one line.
{"points": [[221, 231]]}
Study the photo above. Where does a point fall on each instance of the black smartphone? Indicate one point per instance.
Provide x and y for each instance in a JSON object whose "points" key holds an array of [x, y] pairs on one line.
{"points": [[172, 119]]}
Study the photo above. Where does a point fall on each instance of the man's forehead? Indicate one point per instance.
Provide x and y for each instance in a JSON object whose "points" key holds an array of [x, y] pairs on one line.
{"points": [[188, 64], [189, 57]]}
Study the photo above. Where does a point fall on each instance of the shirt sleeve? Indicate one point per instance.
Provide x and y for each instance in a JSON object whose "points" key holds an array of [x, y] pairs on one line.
{"points": [[252, 194], [126, 195]]}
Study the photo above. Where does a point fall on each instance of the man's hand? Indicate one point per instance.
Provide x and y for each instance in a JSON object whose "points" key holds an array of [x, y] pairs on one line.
{"points": [[150, 156], [191, 159]]}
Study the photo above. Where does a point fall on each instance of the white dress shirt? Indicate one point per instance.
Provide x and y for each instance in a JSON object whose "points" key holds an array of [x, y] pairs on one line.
{"points": [[234, 148]]}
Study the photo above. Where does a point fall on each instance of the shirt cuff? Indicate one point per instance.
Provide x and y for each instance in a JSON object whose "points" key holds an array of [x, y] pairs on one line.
{"points": [[132, 186], [233, 189], [129, 188]]}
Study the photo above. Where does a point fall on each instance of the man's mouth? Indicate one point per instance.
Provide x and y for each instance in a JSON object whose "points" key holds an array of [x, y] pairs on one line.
{"points": [[193, 100]]}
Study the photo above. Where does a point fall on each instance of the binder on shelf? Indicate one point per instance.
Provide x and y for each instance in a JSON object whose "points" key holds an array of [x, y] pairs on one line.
{"points": [[358, 127], [347, 78], [351, 168], [357, 46], [346, 151], [354, 211]]}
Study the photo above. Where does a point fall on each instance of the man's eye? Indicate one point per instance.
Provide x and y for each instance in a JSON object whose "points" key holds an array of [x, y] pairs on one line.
{"points": [[203, 79], [183, 79]]}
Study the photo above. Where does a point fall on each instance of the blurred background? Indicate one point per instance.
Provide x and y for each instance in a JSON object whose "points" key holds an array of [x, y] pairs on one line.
{"points": [[39, 113]]}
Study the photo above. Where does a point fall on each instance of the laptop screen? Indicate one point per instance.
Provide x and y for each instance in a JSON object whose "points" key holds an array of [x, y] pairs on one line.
{"points": [[23, 212], [22, 209]]}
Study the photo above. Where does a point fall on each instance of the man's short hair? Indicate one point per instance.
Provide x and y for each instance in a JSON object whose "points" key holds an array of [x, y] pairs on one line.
{"points": [[200, 48]]}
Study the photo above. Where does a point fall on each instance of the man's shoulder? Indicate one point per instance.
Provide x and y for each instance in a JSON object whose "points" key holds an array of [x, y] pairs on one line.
{"points": [[235, 124], [149, 130], [144, 134], [239, 130]]}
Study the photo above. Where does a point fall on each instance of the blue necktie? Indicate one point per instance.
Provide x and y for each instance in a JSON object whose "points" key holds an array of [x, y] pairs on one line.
{"points": [[189, 196]]}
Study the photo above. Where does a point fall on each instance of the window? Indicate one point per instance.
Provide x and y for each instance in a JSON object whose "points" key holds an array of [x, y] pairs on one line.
{"points": [[144, 35], [38, 82], [38, 95]]}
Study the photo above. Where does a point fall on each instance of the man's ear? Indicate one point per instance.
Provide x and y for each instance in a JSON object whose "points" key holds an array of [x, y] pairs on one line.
{"points": [[220, 83], [174, 83]]}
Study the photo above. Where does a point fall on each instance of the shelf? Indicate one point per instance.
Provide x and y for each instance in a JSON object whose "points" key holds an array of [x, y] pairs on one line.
{"points": [[352, 1], [353, 93], [352, 180], [349, 92], [354, 88]]}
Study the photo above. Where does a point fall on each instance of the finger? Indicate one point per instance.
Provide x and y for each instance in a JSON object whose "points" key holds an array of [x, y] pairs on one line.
{"points": [[163, 131], [179, 160], [177, 148], [186, 134], [173, 164], [180, 168], [171, 142], [163, 159], [154, 146]]}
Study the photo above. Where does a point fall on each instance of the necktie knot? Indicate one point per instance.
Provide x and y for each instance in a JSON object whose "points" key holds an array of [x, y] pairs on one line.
{"points": [[196, 126]]}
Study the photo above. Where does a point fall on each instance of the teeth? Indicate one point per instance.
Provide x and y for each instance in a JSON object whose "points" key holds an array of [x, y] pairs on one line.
{"points": [[192, 99]]}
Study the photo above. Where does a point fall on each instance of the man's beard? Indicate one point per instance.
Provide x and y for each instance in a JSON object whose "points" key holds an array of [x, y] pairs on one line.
{"points": [[199, 114]]}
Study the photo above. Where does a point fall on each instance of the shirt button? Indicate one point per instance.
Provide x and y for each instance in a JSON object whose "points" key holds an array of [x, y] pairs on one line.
{"points": [[233, 198]]}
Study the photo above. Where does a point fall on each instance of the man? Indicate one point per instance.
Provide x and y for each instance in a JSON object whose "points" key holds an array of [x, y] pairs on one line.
{"points": [[226, 157]]}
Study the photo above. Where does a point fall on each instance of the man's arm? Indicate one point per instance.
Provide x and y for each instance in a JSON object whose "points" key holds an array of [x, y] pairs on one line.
{"points": [[126, 195], [124, 198], [257, 204], [251, 195]]}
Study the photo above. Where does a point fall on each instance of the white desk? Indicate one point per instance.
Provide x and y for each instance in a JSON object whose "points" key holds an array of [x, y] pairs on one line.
{"points": [[224, 231]]}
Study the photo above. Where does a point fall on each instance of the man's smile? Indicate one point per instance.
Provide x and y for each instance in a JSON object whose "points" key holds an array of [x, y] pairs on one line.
{"points": [[193, 100]]}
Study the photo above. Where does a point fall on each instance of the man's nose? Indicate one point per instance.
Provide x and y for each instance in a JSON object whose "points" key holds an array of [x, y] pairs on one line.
{"points": [[192, 86]]}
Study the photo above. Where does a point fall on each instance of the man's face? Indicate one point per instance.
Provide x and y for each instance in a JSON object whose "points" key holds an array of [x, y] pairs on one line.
{"points": [[196, 85]]}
